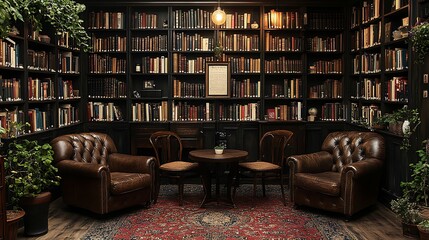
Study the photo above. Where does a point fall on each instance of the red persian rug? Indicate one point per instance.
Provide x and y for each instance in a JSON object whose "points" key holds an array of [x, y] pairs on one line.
{"points": [[252, 218]]}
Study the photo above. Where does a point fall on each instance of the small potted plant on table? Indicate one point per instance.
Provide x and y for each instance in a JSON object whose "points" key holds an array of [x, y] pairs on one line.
{"points": [[219, 149]]}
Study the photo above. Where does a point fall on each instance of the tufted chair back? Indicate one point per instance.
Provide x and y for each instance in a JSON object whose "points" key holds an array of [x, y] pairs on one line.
{"points": [[343, 177], [352, 146], [85, 147]]}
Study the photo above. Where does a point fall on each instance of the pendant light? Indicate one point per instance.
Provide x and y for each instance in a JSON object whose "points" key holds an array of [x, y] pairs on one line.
{"points": [[219, 16]]}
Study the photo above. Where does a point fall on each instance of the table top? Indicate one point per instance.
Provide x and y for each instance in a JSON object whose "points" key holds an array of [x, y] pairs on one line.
{"points": [[209, 155]]}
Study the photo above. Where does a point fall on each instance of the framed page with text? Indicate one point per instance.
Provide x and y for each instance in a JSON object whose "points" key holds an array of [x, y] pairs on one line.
{"points": [[218, 77]]}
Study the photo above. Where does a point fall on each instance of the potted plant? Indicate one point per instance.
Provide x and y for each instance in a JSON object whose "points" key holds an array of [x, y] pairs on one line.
{"points": [[219, 149], [62, 15], [423, 227], [409, 214], [29, 175], [420, 41], [403, 122]]}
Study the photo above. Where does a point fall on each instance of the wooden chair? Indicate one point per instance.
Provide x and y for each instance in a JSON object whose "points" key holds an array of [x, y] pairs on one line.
{"points": [[168, 151], [271, 162]]}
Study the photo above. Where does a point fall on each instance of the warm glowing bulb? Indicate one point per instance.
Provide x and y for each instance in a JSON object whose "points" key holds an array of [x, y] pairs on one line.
{"points": [[219, 17]]}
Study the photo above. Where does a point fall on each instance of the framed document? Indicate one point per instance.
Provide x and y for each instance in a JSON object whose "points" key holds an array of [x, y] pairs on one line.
{"points": [[218, 77]]}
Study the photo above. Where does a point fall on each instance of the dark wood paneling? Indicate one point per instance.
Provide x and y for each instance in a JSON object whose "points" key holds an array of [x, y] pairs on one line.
{"points": [[118, 131], [316, 133], [139, 136]]}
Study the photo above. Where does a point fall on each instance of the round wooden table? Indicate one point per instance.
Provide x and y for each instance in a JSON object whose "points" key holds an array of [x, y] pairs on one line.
{"points": [[210, 165]]}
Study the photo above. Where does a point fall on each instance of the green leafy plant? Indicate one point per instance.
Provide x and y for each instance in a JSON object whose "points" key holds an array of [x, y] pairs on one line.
{"points": [[417, 189], [62, 15], [419, 36], [29, 169], [424, 225], [406, 210], [219, 147], [399, 117]]}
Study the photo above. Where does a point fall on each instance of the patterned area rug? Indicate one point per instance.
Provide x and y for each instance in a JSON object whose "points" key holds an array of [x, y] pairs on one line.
{"points": [[253, 218]]}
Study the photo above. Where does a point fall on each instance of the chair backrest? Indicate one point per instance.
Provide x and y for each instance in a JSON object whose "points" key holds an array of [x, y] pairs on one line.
{"points": [[89, 147], [167, 146], [272, 146], [351, 146]]}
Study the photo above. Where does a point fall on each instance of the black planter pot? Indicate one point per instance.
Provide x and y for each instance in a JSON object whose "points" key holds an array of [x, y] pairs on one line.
{"points": [[36, 214]]}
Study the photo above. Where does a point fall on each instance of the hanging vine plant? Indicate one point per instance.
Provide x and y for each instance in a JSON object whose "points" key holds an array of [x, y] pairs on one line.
{"points": [[419, 35], [62, 15]]}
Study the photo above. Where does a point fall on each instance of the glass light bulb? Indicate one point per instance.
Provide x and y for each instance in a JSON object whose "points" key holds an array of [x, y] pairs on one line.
{"points": [[219, 17]]}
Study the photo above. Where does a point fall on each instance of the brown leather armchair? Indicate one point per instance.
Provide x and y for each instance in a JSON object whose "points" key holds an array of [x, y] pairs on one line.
{"points": [[343, 177], [98, 178]]}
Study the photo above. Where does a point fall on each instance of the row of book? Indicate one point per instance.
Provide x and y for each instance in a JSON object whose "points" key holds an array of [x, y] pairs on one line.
{"points": [[331, 88], [149, 112], [397, 89], [238, 112], [65, 40], [283, 65], [40, 119], [184, 111], [325, 44], [106, 88], [67, 115], [143, 20], [282, 43], [365, 114], [66, 90], [154, 64], [370, 63], [333, 112], [371, 35], [239, 41], [106, 64], [106, 20], [7, 117], [182, 89], [192, 18], [183, 64], [396, 59], [238, 20], [370, 10], [244, 64], [9, 53], [192, 42], [291, 88], [327, 67], [282, 20], [369, 89], [149, 43], [285, 112], [40, 89], [245, 88], [10, 89], [108, 44], [68, 63], [100, 111], [326, 20], [41, 60]]}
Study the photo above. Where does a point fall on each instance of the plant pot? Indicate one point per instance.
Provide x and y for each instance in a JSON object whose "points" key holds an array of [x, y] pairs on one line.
{"points": [[396, 128], [424, 234], [36, 214], [12, 219], [410, 230], [218, 151]]}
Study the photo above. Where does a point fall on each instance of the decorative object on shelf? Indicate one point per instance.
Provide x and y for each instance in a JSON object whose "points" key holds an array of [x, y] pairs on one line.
{"points": [[29, 174], [420, 41], [219, 16], [138, 68], [218, 50], [219, 149], [403, 122], [312, 114], [63, 15], [165, 23], [254, 25]]}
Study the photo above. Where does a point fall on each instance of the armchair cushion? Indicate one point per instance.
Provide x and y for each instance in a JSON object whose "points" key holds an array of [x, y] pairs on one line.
{"points": [[326, 182], [126, 182]]}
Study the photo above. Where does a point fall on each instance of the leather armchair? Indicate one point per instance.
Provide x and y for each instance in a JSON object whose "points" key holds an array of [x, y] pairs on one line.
{"points": [[98, 178], [343, 177]]}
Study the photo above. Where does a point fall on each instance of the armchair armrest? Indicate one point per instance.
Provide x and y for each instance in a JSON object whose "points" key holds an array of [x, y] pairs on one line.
{"points": [[83, 170], [363, 169], [311, 163], [119, 162]]}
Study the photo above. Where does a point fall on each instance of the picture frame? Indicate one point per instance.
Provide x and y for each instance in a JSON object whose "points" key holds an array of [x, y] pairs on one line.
{"points": [[218, 79]]}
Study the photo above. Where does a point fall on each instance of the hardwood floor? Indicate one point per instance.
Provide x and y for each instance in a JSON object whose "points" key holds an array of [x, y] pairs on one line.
{"points": [[66, 223]]}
